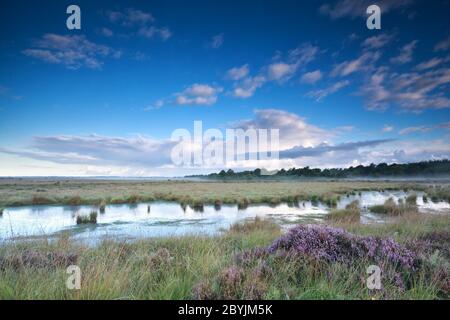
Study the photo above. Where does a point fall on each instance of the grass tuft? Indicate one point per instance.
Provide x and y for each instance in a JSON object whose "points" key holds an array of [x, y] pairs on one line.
{"points": [[390, 207], [351, 213], [87, 219]]}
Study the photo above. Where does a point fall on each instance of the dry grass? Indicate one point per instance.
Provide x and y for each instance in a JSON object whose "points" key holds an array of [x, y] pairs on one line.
{"points": [[15, 192]]}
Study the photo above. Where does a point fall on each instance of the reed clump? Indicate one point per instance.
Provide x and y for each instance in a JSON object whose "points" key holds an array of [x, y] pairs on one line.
{"points": [[87, 219], [351, 213], [243, 204], [217, 204], [390, 207], [102, 206]]}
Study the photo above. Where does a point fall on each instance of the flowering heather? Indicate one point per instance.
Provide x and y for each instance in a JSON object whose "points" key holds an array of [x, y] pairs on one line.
{"points": [[230, 281], [37, 259], [336, 245]]}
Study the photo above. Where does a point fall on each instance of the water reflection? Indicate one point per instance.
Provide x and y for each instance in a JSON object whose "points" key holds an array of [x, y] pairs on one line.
{"points": [[165, 219]]}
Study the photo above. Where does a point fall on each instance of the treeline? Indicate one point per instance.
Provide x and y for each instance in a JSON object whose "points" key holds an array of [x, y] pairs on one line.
{"points": [[426, 168]]}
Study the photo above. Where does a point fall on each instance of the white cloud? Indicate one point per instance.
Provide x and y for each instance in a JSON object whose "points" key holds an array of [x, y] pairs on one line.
{"points": [[301, 144], [140, 22], [321, 94], [281, 70], [130, 17], [294, 131], [247, 87], [311, 77], [98, 150], [423, 129], [414, 129], [106, 32], [377, 42], [364, 62], [357, 8], [152, 31], [72, 51], [406, 53], [387, 128], [429, 64], [238, 73], [217, 41], [198, 94], [443, 45], [411, 91]]}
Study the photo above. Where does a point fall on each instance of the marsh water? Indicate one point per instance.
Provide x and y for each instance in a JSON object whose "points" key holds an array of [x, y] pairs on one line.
{"points": [[169, 219]]}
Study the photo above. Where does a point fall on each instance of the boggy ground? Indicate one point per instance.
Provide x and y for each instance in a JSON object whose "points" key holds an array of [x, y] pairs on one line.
{"points": [[16, 192], [254, 260]]}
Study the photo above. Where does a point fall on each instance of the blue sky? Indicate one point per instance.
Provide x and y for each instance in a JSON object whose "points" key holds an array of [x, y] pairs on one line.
{"points": [[105, 99]]}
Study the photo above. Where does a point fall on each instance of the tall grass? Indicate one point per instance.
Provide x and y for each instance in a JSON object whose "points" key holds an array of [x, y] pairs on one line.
{"points": [[392, 208], [351, 213], [212, 267]]}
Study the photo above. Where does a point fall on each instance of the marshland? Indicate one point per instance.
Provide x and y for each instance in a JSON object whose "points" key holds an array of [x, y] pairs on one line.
{"points": [[224, 239]]}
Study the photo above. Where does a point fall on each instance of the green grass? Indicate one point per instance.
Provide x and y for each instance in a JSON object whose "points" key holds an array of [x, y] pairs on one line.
{"points": [[206, 267], [87, 219], [16, 192], [351, 213], [390, 207]]}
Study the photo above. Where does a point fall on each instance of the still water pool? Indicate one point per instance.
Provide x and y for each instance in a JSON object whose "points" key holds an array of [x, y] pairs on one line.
{"points": [[169, 219]]}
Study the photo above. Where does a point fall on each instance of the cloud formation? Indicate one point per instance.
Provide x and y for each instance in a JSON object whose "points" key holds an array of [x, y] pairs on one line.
{"points": [[238, 73], [443, 45], [357, 8], [408, 130], [294, 130], [140, 22], [198, 94], [217, 41], [406, 53], [72, 51], [301, 144], [311, 77], [411, 91], [280, 70], [321, 94], [377, 42]]}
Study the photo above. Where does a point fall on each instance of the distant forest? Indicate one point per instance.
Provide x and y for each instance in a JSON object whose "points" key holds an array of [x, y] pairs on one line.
{"points": [[425, 168]]}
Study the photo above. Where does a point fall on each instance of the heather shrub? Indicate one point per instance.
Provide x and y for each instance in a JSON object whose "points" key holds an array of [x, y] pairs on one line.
{"points": [[160, 258], [336, 245], [230, 282], [32, 258], [312, 251], [203, 291], [234, 282]]}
